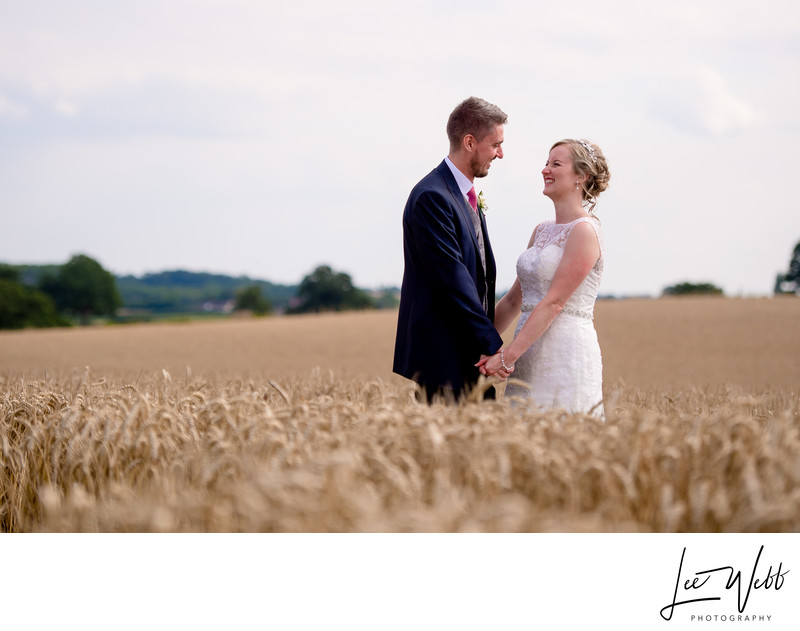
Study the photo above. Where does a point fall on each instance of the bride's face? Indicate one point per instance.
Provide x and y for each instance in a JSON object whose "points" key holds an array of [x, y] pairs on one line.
{"points": [[559, 173]]}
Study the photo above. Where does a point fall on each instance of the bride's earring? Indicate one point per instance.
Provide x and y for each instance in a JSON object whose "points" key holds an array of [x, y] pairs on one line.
{"points": [[577, 185]]}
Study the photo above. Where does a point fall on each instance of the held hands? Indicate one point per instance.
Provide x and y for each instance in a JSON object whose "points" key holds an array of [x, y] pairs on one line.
{"points": [[495, 365]]}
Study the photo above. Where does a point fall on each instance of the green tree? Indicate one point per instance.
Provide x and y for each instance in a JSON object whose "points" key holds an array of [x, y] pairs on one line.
{"points": [[789, 283], [83, 288], [252, 299], [23, 307], [326, 290], [687, 289], [9, 272]]}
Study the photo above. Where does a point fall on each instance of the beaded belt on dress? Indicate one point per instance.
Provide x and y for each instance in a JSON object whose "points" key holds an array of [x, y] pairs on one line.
{"points": [[589, 315]]}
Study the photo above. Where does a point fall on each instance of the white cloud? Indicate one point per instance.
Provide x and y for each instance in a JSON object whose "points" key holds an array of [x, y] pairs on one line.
{"points": [[701, 101], [66, 108], [12, 110]]}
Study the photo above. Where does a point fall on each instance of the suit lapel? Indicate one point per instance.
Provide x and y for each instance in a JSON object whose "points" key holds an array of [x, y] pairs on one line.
{"points": [[484, 273]]}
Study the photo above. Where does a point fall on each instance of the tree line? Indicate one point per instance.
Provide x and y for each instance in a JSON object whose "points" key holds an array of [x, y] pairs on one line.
{"points": [[78, 290], [81, 290]]}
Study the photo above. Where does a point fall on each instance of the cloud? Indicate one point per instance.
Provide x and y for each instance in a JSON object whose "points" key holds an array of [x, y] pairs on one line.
{"points": [[66, 108], [701, 101], [12, 110], [152, 107]]}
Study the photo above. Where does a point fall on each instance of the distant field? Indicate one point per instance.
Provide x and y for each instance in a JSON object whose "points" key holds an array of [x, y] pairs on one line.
{"points": [[296, 424], [680, 341]]}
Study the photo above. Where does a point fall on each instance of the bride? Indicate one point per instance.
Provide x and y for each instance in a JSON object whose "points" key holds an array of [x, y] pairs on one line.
{"points": [[555, 357]]}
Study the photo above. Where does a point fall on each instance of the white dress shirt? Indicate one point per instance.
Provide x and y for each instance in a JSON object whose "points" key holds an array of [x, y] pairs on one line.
{"points": [[462, 180]]}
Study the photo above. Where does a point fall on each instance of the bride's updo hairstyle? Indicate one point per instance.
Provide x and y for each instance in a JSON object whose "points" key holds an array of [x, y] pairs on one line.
{"points": [[588, 160]]}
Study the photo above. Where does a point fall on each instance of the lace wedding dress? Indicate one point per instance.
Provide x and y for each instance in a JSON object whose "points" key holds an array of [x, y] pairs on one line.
{"points": [[563, 368]]}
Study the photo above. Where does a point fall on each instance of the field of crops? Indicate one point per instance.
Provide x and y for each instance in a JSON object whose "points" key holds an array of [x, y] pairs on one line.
{"points": [[296, 424]]}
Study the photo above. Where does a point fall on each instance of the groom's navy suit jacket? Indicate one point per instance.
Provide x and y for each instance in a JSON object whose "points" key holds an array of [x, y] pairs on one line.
{"points": [[442, 328]]}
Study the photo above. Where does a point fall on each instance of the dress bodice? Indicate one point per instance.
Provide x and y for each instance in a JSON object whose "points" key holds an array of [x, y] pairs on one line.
{"points": [[537, 266], [563, 368]]}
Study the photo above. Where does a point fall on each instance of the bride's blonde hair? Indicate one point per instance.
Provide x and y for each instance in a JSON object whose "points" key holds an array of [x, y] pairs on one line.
{"points": [[588, 160]]}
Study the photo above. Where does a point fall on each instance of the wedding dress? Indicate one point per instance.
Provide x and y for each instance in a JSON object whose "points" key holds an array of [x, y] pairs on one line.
{"points": [[563, 368]]}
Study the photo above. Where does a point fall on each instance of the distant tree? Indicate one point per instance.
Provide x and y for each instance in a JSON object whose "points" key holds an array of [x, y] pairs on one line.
{"points": [[252, 299], [326, 290], [789, 283], [23, 307], [386, 298], [83, 288], [31, 274], [685, 289], [187, 292], [9, 272]]}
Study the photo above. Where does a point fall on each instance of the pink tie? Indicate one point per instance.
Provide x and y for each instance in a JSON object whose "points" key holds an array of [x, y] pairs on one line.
{"points": [[473, 199]]}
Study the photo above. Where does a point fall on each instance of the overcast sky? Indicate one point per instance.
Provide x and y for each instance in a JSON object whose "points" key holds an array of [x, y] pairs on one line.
{"points": [[266, 138]]}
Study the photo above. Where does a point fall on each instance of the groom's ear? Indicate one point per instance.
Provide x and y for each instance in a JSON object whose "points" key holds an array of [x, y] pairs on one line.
{"points": [[469, 142]]}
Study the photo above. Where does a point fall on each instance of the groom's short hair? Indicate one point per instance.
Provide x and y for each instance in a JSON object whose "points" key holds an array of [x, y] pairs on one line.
{"points": [[473, 116]]}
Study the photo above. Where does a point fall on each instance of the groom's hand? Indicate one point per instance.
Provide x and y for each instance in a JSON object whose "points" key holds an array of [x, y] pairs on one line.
{"points": [[492, 366]]}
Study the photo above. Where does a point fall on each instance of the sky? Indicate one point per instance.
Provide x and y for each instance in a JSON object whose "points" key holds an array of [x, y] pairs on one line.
{"points": [[265, 138]]}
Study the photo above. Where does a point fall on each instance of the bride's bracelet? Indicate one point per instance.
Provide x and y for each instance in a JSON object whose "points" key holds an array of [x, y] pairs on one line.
{"points": [[503, 361]]}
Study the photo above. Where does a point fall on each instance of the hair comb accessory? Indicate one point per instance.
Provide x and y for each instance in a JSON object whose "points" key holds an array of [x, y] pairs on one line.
{"points": [[590, 149]]}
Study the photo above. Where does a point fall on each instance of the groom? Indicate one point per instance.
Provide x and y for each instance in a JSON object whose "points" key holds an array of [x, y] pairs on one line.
{"points": [[447, 299]]}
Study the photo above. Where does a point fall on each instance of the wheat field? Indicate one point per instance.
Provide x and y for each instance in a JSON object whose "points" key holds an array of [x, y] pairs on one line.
{"points": [[296, 424]]}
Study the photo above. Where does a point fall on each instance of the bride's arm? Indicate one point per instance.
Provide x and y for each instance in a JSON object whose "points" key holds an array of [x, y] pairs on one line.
{"points": [[581, 252]]}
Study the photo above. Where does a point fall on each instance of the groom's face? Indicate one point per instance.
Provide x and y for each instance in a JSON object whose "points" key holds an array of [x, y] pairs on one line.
{"points": [[486, 151]]}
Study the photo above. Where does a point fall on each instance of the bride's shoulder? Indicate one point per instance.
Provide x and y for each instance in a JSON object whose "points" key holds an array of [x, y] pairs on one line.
{"points": [[591, 220], [587, 228]]}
